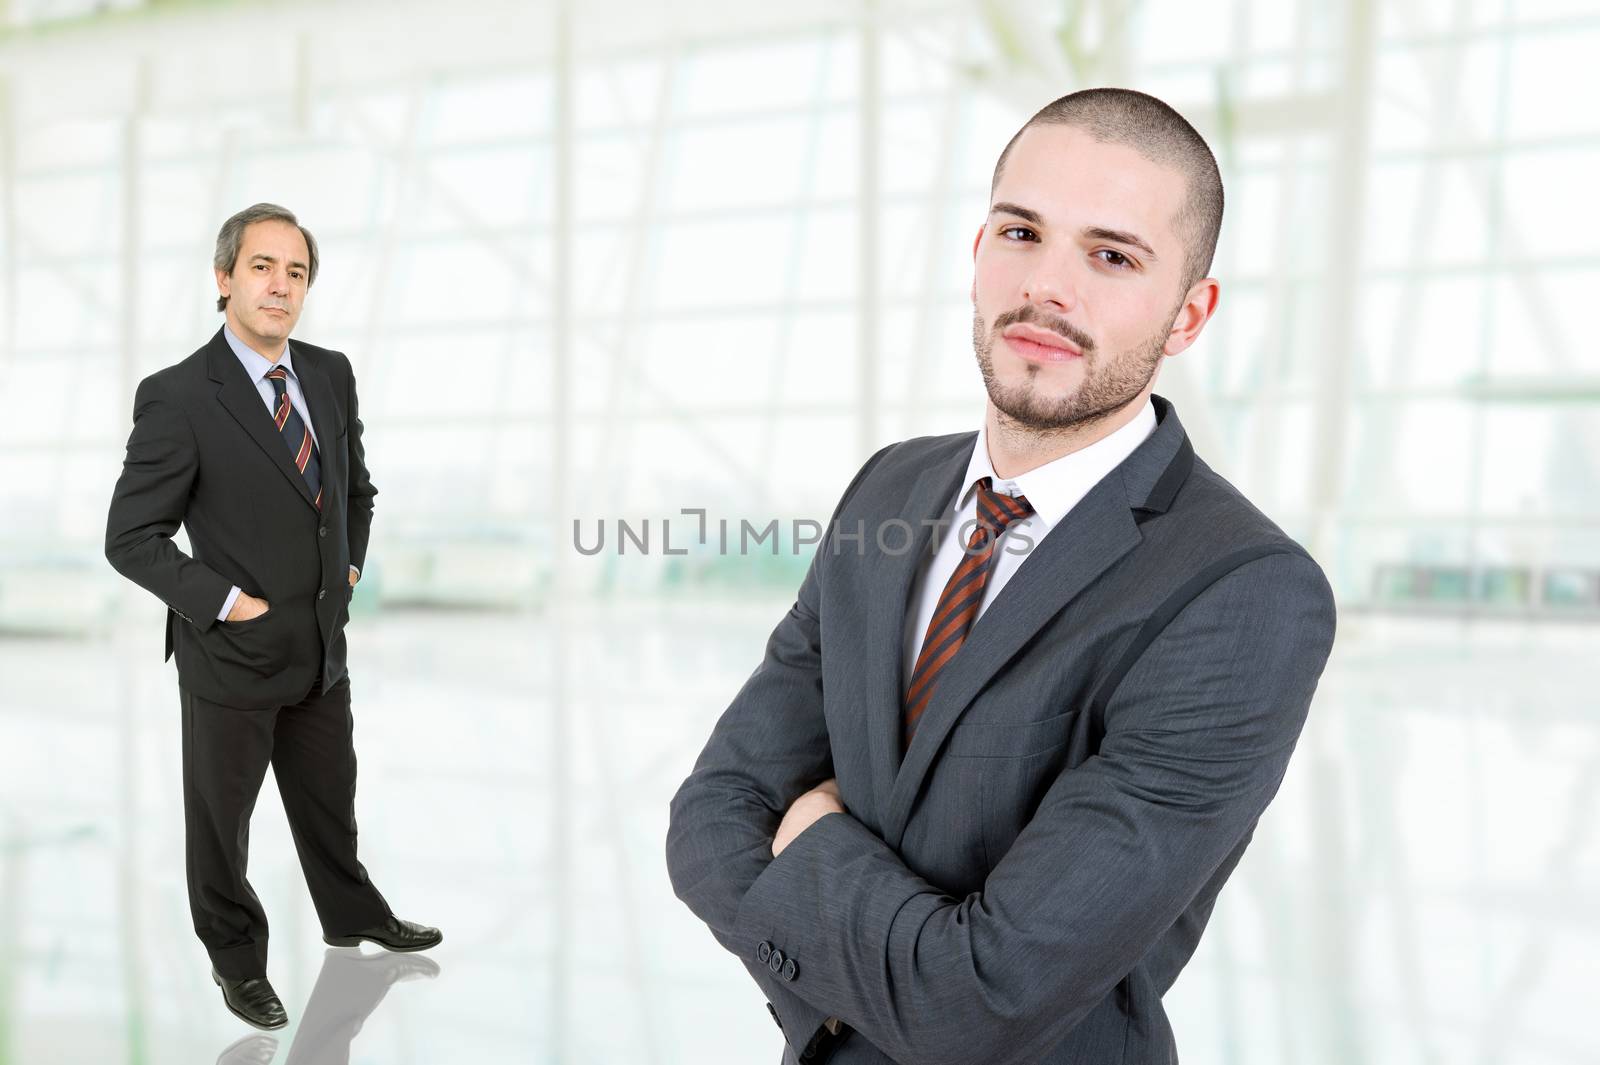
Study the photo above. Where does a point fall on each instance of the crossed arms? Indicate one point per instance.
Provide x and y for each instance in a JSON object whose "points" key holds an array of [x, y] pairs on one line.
{"points": [[1198, 736]]}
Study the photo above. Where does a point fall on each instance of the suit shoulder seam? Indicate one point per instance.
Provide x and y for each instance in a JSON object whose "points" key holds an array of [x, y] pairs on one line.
{"points": [[1174, 604]]}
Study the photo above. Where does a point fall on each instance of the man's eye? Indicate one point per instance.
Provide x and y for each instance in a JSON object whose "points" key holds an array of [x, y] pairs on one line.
{"points": [[297, 275], [1122, 263], [261, 266], [1027, 234]]}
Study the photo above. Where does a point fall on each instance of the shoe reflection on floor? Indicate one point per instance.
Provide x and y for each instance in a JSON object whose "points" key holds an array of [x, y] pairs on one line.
{"points": [[251, 1050], [348, 989]]}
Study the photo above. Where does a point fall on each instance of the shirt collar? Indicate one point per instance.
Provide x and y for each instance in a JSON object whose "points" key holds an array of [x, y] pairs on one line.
{"points": [[255, 363], [1055, 488]]}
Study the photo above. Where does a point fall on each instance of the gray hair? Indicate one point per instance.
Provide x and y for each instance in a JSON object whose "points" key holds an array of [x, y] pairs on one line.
{"points": [[231, 235]]}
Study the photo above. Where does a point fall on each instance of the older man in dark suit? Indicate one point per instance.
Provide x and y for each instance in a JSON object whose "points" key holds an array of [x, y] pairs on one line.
{"points": [[253, 444]]}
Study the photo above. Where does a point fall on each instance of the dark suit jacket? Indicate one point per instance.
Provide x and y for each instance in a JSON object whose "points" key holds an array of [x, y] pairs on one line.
{"points": [[1028, 882], [204, 453]]}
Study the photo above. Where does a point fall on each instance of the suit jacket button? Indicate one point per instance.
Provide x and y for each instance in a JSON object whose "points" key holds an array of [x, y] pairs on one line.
{"points": [[775, 1018], [763, 952], [321, 592], [775, 963], [790, 969], [322, 530]]}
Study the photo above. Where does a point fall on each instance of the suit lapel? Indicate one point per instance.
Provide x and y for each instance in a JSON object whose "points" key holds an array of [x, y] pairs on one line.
{"points": [[238, 394], [1092, 537], [318, 390], [890, 595]]}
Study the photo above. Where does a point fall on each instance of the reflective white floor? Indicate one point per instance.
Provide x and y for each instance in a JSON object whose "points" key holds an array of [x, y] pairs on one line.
{"points": [[1425, 889]]}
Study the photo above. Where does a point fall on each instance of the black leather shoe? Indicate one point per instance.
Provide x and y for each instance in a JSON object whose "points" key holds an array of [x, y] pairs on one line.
{"points": [[253, 1001], [394, 934]]}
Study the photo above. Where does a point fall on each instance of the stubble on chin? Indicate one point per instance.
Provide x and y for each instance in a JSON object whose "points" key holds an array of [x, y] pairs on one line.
{"points": [[1106, 387]]}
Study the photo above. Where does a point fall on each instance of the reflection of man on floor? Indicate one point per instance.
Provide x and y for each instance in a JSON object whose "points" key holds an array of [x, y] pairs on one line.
{"points": [[348, 989], [251, 1050]]}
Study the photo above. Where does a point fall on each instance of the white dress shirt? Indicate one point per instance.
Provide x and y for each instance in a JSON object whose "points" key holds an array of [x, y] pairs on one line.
{"points": [[1053, 489], [257, 366]]}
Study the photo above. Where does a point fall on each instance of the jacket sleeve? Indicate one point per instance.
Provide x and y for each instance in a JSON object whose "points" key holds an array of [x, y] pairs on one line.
{"points": [[358, 514], [1198, 737], [148, 505], [769, 746]]}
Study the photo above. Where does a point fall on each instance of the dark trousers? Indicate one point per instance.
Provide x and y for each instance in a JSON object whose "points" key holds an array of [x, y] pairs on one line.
{"points": [[225, 756]]}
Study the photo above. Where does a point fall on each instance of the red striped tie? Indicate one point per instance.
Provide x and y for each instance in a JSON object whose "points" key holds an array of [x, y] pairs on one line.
{"points": [[958, 603], [297, 434]]}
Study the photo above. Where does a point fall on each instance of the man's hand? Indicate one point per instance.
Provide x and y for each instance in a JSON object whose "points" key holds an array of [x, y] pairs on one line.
{"points": [[246, 607], [822, 799], [353, 577]]}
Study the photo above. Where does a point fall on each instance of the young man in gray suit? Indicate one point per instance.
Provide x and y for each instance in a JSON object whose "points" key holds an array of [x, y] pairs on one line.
{"points": [[977, 801]]}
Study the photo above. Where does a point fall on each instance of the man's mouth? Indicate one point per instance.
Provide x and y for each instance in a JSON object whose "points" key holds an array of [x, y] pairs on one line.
{"points": [[1040, 345]]}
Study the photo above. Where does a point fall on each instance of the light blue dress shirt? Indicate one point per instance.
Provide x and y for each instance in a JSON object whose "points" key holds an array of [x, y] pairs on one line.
{"points": [[257, 365]]}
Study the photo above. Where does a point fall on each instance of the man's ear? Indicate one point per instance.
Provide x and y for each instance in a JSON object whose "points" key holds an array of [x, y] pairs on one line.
{"points": [[1197, 308], [224, 281]]}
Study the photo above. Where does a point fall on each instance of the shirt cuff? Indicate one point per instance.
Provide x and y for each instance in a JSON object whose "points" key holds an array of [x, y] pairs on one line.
{"points": [[227, 605]]}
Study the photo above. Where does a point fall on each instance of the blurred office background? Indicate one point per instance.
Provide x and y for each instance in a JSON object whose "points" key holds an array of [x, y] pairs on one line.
{"points": [[609, 261]]}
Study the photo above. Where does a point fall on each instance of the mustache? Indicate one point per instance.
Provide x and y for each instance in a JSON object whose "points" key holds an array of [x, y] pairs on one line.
{"points": [[1034, 316]]}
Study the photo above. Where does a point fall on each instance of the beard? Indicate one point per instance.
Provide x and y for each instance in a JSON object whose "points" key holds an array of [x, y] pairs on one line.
{"points": [[1110, 382]]}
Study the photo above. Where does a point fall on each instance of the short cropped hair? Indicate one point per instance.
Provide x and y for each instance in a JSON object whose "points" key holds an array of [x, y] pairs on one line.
{"points": [[1160, 134]]}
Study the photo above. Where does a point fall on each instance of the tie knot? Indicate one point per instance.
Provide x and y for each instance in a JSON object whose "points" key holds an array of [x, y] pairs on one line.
{"points": [[279, 378], [998, 510]]}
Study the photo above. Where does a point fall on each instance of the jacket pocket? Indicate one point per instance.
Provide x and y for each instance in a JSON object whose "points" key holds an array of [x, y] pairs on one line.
{"points": [[981, 739], [256, 645], [1010, 767], [246, 622]]}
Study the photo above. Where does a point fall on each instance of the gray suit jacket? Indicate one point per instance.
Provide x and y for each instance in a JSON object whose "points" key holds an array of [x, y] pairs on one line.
{"points": [[1028, 881]]}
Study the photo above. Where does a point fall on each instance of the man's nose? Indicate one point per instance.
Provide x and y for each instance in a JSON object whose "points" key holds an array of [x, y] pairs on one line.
{"points": [[1051, 285]]}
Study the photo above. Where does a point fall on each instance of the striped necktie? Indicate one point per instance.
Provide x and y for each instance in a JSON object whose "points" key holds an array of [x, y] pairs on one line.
{"points": [[296, 434], [958, 603]]}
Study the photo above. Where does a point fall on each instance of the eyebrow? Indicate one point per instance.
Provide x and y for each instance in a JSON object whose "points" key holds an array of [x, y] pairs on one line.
{"points": [[1118, 236], [264, 257]]}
